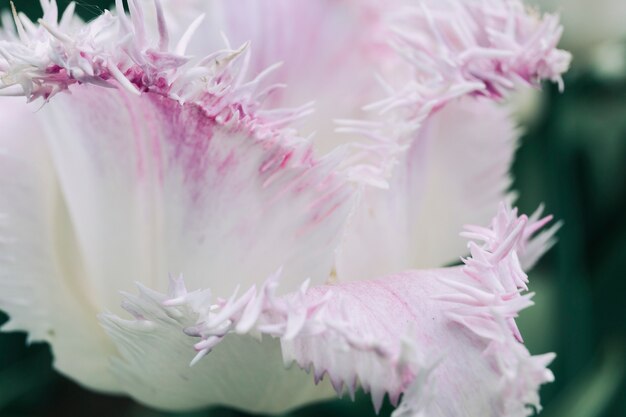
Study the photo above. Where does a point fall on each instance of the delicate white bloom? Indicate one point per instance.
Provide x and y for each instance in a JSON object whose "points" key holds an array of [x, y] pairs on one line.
{"points": [[164, 147]]}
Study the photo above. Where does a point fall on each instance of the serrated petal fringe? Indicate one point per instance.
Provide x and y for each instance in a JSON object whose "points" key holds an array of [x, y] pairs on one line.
{"points": [[318, 329], [488, 307]]}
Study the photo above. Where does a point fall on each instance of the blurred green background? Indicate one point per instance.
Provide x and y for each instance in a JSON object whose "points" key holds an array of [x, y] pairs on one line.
{"points": [[573, 158]]}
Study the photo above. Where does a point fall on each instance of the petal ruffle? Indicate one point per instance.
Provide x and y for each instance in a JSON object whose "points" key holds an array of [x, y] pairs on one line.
{"points": [[243, 371], [446, 338]]}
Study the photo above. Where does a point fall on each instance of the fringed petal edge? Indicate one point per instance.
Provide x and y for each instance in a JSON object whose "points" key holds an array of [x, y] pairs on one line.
{"points": [[41, 60], [453, 48], [482, 297], [489, 305]]}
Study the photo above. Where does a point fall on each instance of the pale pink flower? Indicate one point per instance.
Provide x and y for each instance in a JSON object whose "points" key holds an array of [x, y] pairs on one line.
{"points": [[159, 150]]}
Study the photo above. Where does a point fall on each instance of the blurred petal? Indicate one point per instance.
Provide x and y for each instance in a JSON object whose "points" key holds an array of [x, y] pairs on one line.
{"points": [[325, 46], [41, 278], [330, 52], [454, 49], [456, 172], [442, 149]]}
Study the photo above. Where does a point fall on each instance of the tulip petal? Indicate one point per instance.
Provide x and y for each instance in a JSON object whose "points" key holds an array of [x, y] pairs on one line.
{"points": [[162, 165], [329, 52], [241, 371], [481, 49], [41, 284], [455, 173], [180, 168], [153, 187], [445, 338], [453, 49], [145, 186], [443, 150]]}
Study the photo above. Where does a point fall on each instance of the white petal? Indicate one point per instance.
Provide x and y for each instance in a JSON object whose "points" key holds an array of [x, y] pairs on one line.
{"points": [[455, 173], [241, 372], [401, 334], [155, 187], [213, 188], [41, 277]]}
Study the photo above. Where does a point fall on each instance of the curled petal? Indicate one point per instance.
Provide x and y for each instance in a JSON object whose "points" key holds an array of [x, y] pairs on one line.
{"points": [[149, 186], [241, 370], [401, 334], [486, 362], [454, 48], [442, 149]]}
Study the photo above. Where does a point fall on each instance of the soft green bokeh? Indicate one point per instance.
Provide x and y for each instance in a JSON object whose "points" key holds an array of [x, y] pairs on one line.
{"points": [[573, 158]]}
